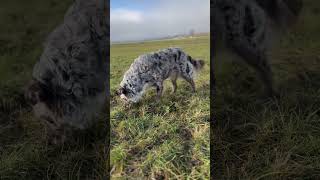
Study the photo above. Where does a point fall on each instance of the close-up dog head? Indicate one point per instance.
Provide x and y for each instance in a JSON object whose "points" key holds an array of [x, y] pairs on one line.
{"points": [[128, 95]]}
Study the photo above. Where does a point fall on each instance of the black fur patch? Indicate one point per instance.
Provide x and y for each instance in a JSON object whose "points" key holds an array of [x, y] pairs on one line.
{"points": [[189, 59], [187, 69], [249, 26], [193, 62], [175, 57], [123, 90], [65, 76], [179, 54]]}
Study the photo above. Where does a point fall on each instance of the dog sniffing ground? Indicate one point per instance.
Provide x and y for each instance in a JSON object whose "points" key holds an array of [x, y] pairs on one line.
{"points": [[168, 138]]}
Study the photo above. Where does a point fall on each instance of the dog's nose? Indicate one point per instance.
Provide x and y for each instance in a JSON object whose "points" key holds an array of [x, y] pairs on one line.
{"points": [[122, 96]]}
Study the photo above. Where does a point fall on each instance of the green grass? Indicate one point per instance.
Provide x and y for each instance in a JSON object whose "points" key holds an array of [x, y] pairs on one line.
{"points": [[165, 139], [24, 149], [256, 138], [253, 138]]}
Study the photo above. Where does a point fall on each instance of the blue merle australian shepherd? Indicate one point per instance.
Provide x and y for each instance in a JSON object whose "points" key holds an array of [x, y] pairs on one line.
{"points": [[150, 70]]}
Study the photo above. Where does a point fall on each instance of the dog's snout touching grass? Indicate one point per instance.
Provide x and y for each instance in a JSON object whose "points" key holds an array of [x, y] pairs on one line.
{"points": [[147, 133]]}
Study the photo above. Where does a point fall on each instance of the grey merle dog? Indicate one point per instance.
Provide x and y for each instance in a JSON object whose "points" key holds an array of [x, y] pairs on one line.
{"points": [[150, 70], [242, 26], [69, 81]]}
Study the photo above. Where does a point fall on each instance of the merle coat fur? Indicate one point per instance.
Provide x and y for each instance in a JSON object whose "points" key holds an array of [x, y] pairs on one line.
{"points": [[150, 70], [70, 78]]}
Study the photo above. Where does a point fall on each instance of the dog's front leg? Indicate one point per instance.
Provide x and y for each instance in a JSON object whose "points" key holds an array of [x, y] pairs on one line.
{"points": [[159, 87], [193, 86]]}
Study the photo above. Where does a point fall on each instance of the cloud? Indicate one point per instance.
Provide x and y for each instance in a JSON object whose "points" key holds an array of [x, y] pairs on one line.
{"points": [[125, 16], [165, 18]]}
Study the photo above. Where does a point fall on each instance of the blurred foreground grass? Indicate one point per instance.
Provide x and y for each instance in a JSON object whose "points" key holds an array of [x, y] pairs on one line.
{"points": [[24, 150], [256, 138]]}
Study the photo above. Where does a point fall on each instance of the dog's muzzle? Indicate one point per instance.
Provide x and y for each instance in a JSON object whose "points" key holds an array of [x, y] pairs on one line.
{"points": [[123, 97]]}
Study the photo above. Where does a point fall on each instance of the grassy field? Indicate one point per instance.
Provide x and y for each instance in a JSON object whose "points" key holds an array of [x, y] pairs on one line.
{"points": [[166, 139], [256, 138], [24, 150], [253, 138]]}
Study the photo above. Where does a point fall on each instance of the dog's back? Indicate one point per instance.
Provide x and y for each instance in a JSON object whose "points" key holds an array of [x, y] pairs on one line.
{"points": [[163, 63]]}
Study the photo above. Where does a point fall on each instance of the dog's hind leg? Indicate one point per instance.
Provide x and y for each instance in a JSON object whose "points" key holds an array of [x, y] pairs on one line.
{"points": [[174, 78], [191, 82]]}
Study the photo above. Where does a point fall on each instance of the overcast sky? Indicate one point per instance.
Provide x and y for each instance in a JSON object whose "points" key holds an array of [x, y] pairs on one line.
{"points": [[132, 20]]}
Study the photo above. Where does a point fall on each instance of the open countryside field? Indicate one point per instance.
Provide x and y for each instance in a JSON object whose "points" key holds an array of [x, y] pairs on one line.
{"points": [[165, 139], [24, 149], [257, 138]]}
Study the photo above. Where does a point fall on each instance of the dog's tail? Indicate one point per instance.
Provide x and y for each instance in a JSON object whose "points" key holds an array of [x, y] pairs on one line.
{"points": [[197, 64]]}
